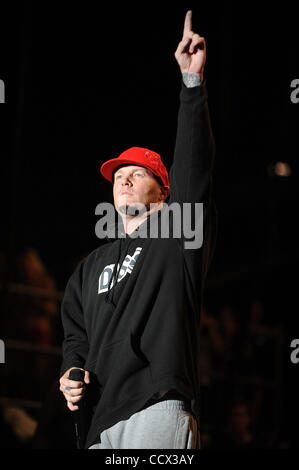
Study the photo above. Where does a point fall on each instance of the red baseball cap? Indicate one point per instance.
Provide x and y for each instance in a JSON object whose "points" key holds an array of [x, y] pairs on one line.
{"points": [[138, 156]]}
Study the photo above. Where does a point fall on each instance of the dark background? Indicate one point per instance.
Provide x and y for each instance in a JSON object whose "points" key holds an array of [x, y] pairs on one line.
{"points": [[84, 82]]}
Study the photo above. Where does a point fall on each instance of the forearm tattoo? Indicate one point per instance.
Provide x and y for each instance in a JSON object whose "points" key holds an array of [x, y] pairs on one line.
{"points": [[191, 79]]}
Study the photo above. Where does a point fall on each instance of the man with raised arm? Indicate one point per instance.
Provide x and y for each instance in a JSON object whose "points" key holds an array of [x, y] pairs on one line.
{"points": [[131, 309]]}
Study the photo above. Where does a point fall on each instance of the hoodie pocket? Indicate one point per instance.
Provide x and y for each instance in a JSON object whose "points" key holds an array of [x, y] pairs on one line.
{"points": [[123, 370], [106, 356]]}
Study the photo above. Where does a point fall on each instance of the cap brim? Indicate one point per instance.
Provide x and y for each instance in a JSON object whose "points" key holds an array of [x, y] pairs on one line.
{"points": [[108, 167]]}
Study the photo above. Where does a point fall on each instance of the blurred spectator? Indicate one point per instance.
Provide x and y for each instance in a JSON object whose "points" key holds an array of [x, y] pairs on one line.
{"points": [[55, 429], [39, 312], [261, 357], [210, 342], [211, 346], [220, 340], [206, 435], [238, 429], [227, 347], [240, 356], [31, 318], [16, 428]]}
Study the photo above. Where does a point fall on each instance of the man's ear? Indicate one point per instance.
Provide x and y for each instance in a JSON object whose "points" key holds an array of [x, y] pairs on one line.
{"points": [[165, 192]]}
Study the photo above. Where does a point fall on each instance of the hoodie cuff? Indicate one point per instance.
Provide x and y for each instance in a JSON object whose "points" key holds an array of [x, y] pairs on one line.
{"points": [[188, 94]]}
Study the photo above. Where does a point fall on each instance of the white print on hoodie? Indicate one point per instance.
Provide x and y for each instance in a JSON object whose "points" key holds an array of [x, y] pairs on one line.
{"points": [[126, 268]]}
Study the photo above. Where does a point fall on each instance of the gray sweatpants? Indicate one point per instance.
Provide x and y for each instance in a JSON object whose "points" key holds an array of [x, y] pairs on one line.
{"points": [[167, 424]]}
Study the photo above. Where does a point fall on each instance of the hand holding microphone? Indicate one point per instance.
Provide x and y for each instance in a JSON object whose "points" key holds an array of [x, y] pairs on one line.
{"points": [[73, 385]]}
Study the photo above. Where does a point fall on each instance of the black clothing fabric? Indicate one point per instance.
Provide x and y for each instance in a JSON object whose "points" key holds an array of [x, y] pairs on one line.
{"points": [[131, 309]]}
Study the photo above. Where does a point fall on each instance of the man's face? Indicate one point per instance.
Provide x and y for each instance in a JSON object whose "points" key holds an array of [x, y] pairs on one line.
{"points": [[133, 186]]}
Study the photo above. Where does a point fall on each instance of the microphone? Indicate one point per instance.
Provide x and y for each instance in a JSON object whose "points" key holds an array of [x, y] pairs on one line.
{"points": [[79, 415]]}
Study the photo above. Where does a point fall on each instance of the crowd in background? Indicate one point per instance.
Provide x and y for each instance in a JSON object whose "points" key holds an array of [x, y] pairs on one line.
{"points": [[241, 373], [240, 370]]}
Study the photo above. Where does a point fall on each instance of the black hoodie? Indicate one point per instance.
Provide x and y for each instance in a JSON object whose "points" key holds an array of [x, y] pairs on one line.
{"points": [[140, 335]]}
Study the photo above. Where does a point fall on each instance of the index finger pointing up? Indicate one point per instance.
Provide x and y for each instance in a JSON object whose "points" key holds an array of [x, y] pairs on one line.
{"points": [[188, 23]]}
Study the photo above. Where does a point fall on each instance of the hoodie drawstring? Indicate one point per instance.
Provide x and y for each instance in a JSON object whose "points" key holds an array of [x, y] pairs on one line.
{"points": [[114, 276]]}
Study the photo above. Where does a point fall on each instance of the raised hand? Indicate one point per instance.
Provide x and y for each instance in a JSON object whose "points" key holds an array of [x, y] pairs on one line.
{"points": [[191, 51]]}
